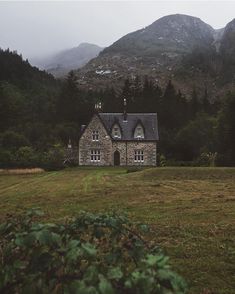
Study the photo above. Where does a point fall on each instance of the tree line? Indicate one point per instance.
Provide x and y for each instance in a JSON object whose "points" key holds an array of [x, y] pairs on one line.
{"points": [[40, 112]]}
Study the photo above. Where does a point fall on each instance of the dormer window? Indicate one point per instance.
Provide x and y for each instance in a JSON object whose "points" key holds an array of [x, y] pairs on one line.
{"points": [[139, 132], [116, 131], [95, 136]]}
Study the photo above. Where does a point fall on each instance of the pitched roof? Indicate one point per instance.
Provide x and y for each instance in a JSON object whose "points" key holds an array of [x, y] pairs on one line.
{"points": [[148, 120]]}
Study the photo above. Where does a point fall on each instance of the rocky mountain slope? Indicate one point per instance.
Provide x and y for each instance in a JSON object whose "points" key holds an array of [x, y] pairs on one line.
{"points": [[61, 63], [178, 47], [228, 40]]}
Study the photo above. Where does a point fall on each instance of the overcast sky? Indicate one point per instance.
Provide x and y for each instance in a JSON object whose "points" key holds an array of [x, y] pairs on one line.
{"points": [[40, 28]]}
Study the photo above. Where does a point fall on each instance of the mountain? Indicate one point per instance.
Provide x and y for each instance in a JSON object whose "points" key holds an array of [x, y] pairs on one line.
{"points": [[174, 33], [178, 47], [61, 63], [228, 40]]}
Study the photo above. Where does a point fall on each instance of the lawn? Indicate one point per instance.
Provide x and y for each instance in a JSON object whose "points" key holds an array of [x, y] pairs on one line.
{"points": [[191, 211]]}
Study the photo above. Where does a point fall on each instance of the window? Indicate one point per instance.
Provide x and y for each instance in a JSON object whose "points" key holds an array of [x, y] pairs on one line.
{"points": [[139, 132], [95, 136], [139, 156], [116, 132], [95, 155]]}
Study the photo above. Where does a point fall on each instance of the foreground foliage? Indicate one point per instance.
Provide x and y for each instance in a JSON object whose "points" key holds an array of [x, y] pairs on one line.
{"points": [[102, 253]]}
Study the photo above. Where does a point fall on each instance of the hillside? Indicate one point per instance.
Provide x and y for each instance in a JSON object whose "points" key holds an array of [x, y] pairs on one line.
{"points": [[26, 94], [61, 63], [178, 47], [19, 72]]}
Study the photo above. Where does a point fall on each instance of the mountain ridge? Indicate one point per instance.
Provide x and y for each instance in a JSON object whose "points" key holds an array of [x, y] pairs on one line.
{"points": [[59, 64], [178, 47]]}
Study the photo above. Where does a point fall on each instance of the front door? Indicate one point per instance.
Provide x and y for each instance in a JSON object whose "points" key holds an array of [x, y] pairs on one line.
{"points": [[116, 158]]}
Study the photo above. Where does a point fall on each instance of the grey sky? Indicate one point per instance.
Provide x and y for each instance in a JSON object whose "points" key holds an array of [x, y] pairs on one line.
{"points": [[40, 28]]}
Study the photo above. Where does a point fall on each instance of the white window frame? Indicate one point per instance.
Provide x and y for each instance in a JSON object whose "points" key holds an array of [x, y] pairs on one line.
{"points": [[95, 135], [139, 156], [116, 132], [139, 132], [95, 155]]}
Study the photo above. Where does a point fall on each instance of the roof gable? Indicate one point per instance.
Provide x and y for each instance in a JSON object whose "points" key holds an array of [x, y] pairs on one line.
{"points": [[96, 115], [139, 124]]}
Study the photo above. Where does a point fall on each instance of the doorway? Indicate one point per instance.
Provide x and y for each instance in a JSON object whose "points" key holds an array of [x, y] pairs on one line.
{"points": [[116, 158]]}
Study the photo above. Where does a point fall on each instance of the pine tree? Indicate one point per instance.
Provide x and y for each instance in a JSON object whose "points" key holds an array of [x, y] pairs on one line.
{"points": [[194, 104], [68, 102], [205, 102]]}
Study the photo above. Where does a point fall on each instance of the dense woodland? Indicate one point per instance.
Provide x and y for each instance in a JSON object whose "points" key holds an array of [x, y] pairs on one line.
{"points": [[39, 114]]}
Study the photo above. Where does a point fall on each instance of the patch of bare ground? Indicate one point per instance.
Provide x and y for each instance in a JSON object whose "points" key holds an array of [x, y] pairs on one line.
{"points": [[21, 171]]}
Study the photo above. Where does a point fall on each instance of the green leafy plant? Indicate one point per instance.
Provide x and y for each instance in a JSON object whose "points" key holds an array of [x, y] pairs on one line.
{"points": [[93, 253], [162, 160]]}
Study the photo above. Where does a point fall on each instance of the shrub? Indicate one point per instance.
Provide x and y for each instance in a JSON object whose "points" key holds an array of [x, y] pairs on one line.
{"points": [[162, 159], [6, 158], [26, 157], [179, 163], [12, 140], [53, 159], [100, 254], [208, 159]]}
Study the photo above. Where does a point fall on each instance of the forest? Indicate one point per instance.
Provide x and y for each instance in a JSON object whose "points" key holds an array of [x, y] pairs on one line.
{"points": [[39, 114]]}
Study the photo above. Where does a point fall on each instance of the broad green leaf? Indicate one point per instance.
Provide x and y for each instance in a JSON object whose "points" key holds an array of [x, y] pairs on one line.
{"points": [[73, 254], [44, 237], [89, 249], [91, 274], [144, 228], [152, 260], [105, 286], [115, 273]]}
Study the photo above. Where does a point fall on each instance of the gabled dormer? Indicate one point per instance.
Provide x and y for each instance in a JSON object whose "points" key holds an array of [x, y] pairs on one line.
{"points": [[139, 131], [116, 131]]}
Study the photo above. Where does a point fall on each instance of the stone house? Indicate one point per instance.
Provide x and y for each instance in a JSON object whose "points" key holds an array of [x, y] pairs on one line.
{"points": [[127, 139]]}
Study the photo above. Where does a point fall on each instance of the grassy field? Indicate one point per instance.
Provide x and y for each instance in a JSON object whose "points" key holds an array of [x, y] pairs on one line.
{"points": [[191, 211]]}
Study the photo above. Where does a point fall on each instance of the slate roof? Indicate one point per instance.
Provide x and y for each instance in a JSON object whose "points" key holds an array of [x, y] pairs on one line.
{"points": [[148, 121]]}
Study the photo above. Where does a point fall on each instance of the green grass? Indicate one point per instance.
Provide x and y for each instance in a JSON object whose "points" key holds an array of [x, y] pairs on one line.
{"points": [[191, 211]]}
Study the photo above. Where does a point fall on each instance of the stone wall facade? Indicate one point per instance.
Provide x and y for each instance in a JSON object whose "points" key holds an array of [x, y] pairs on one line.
{"points": [[108, 146], [86, 144], [149, 153], [127, 152]]}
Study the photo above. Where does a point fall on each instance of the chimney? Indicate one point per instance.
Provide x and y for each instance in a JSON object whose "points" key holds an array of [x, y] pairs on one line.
{"points": [[69, 144], [98, 107], [82, 128], [124, 110]]}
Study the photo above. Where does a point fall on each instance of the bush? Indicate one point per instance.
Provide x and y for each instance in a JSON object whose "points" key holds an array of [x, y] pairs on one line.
{"points": [[100, 254], [26, 157], [6, 158], [53, 159], [178, 163], [162, 160], [207, 159], [12, 140]]}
